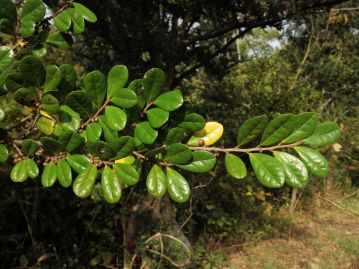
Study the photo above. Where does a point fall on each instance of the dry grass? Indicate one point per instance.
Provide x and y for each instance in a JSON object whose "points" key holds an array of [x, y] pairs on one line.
{"points": [[325, 236]]}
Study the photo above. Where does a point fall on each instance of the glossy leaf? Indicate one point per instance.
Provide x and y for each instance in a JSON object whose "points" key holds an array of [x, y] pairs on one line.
{"points": [[18, 172], [60, 40], [169, 101], [157, 117], [156, 182], [178, 154], [27, 28], [33, 10], [29, 147], [296, 174], [125, 98], [2, 114], [177, 186], [6, 57], [50, 103], [304, 126], [87, 14], [64, 173], [115, 118], [269, 171], [95, 85], [175, 135], [4, 153], [110, 135], [235, 166], [192, 122], [85, 181], [145, 133], [78, 22], [93, 131], [209, 135], [117, 79], [69, 119], [31, 168], [110, 186], [78, 162], [70, 140], [127, 173], [125, 145], [79, 101], [202, 162], [126, 160], [251, 129], [46, 125], [313, 160], [325, 134], [153, 82], [49, 175], [277, 129], [63, 20]]}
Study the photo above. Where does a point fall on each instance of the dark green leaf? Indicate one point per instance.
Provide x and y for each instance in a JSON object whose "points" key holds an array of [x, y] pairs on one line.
{"points": [[50, 103], [60, 40], [126, 145], [25, 96], [101, 149], [33, 69], [313, 160], [70, 140], [278, 129], [49, 175], [235, 166], [177, 186], [178, 154], [29, 147], [95, 85], [85, 181], [153, 81], [69, 119], [50, 145], [304, 126], [203, 161], [115, 118], [175, 135], [110, 185], [79, 101], [4, 153], [69, 77], [169, 101], [193, 122], [124, 98], [126, 173], [269, 171], [145, 133], [8, 16], [78, 162], [251, 129], [93, 131], [296, 174], [325, 134], [64, 173], [157, 117], [117, 79], [156, 182], [14, 81]]}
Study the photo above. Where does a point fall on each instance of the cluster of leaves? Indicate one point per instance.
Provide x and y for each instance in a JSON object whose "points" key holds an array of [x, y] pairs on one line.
{"points": [[104, 126]]}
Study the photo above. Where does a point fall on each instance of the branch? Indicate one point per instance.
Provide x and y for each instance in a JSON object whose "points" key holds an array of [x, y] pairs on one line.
{"points": [[93, 118]]}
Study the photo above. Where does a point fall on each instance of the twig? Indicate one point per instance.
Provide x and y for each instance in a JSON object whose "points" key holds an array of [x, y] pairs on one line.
{"points": [[93, 118], [339, 206], [350, 195]]}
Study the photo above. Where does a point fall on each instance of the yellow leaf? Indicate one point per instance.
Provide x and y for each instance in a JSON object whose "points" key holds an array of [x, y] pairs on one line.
{"points": [[209, 135], [126, 160], [46, 115]]}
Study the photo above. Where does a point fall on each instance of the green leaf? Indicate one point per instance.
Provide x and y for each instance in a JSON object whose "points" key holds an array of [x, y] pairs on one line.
{"points": [[14, 81], [63, 20], [79, 101], [69, 77], [50, 104], [251, 129], [60, 40], [125, 145], [6, 56], [277, 129], [295, 171], [269, 171], [70, 140], [177, 186], [111, 136], [25, 96], [101, 149], [46, 125], [64, 173], [50, 145], [235, 166], [115, 118], [2, 114], [78, 23], [156, 182], [4, 153], [18, 172], [33, 70], [87, 14], [8, 16], [110, 185], [95, 85], [157, 117], [178, 154], [169, 101], [93, 131], [124, 98], [33, 10], [304, 126], [325, 134], [126, 173], [49, 175], [39, 51], [85, 181], [78, 162], [27, 28], [117, 79], [313, 160], [193, 122], [69, 119], [153, 81], [145, 133], [175, 135], [29, 147], [53, 4], [32, 169], [202, 162]]}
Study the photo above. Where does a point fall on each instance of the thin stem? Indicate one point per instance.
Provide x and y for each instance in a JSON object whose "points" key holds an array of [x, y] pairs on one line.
{"points": [[256, 149], [93, 118]]}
